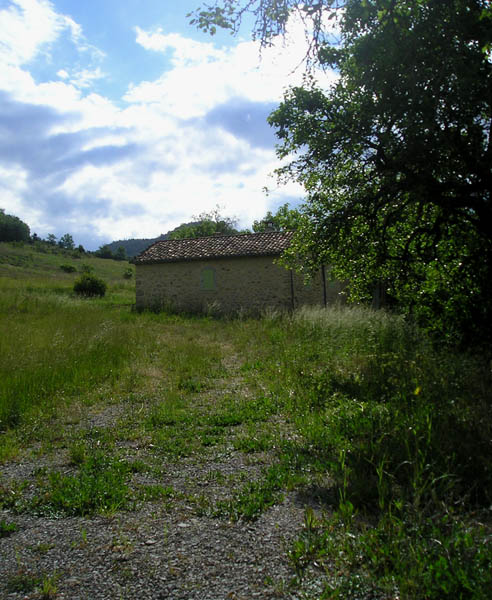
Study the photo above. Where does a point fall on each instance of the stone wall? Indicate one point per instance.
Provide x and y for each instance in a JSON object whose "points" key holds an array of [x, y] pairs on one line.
{"points": [[227, 285]]}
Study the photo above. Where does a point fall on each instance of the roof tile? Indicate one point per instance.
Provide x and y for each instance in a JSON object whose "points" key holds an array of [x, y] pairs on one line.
{"points": [[270, 243]]}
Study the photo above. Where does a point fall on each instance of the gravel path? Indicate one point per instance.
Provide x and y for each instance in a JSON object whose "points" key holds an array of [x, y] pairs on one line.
{"points": [[168, 549], [180, 448], [154, 553]]}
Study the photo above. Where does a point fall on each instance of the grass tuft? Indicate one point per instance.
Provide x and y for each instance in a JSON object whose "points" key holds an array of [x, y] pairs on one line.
{"points": [[7, 529], [99, 487]]}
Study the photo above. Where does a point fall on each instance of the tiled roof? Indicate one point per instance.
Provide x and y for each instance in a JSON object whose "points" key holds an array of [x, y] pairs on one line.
{"points": [[271, 243]]}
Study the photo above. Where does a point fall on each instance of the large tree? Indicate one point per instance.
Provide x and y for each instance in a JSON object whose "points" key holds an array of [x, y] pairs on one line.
{"points": [[396, 156]]}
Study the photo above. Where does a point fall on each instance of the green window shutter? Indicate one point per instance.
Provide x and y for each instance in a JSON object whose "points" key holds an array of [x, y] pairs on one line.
{"points": [[208, 279]]}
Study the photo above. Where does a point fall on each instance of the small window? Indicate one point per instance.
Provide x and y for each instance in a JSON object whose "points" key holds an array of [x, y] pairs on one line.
{"points": [[208, 279]]}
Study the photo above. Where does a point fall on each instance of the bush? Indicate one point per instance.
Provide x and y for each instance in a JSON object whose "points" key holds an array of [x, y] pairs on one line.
{"points": [[89, 285], [68, 268], [128, 274], [84, 268]]}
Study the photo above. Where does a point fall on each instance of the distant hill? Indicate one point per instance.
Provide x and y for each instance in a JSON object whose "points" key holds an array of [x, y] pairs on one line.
{"points": [[133, 247]]}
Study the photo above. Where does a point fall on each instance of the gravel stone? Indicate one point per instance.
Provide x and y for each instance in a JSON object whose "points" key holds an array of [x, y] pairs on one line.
{"points": [[159, 551]]}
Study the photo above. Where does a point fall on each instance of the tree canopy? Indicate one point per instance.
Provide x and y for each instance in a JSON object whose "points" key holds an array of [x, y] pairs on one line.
{"points": [[12, 229], [204, 225], [66, 241], [285, 219], [120, 253], [396, 156]]}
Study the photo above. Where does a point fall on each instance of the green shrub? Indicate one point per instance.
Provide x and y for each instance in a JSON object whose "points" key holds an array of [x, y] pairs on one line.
{"points": [[89, 285], [68, 268], [85, 268], [128, 274]]}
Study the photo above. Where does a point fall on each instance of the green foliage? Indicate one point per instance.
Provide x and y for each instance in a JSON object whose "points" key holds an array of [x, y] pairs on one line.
{"points": [[23, 582], [128, 274], [204, 225], [395, 162], [269, 17], [66, 242], [12, 229], [48, 589], [254, 440], [68, 268], [134, 246], [234, 412], [255, 496], [378, 411], [157, 492], [376, 400], [285, 219], [90, 286]]}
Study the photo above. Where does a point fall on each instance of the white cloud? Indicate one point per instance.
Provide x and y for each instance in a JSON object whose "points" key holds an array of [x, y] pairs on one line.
{"points": [[200, 78], [204, 76], [185, 51], [28, 26], [13, 185], [180, 184], [185, 164], [85, 77], [29, 30], [14, 190], [25, 27]]}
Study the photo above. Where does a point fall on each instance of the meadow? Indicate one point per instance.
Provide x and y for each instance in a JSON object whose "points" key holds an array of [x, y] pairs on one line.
{"points": [[387, 437]]}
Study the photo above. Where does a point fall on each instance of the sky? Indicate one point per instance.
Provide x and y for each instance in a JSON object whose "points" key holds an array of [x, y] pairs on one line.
{"points": [[118, 119]]}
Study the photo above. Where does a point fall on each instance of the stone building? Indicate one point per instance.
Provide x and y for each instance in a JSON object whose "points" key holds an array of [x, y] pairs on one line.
{"points": [[225, 274]]}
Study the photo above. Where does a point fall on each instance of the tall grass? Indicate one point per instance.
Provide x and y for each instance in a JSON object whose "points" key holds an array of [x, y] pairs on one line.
{"points": [[404, 432], [53, 346], [371, 388]]}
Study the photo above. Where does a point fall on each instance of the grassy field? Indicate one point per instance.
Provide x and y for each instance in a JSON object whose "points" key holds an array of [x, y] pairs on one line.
{"points": [[355, 408]]}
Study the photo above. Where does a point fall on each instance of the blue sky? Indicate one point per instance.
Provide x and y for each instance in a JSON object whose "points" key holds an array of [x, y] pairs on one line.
{"points": [[118, 119]]}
